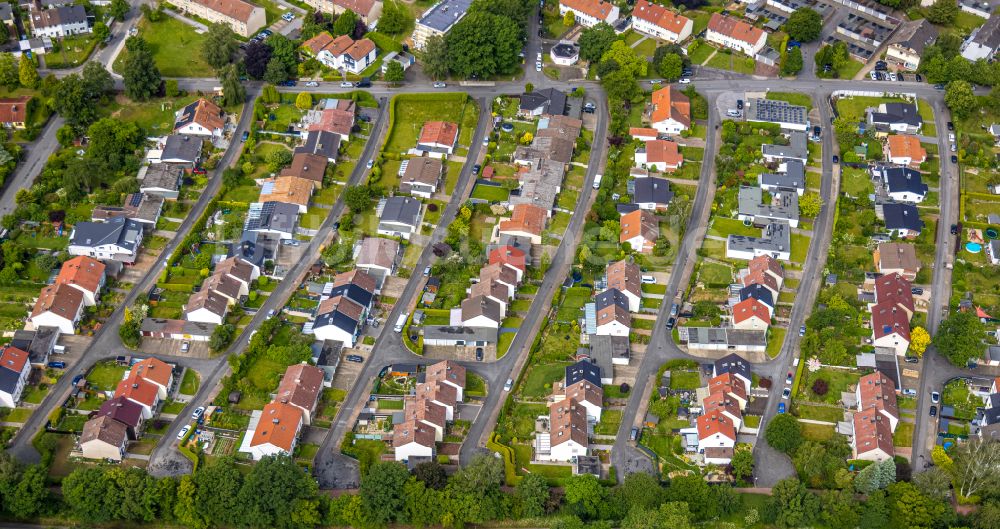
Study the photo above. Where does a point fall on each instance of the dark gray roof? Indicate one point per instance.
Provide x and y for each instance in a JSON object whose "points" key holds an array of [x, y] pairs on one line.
{"points": [[583, 370], [758, 292], [8, 380], [402, 210], [323, 143], [991, 415], [915, 35], [793, 178], [181, 147], [256, 247], [469, 334], [194, 328], [337, 319], [56, 16], [898, 113], [653, 190], [39, 343], [161, 176], [604, 349], [327, 352], [611, 296], [988, 35], [796, 148], [354, 293], [121, 231], [732, 363], [6, 11], [902, 216], [275, 216], [565, 50], [901, 179], [550, 100], [776, 237], [445, 14], [771, 111], [725, 336]]}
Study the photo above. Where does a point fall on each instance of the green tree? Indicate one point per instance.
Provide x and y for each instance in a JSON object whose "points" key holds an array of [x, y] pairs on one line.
{"points": [[8, 71], [381, 491], [233, 92], [304, 101], [394, 72], [670, 515], [793, 62], [569, 19], [784, 433], [794, 506], [959, 338], [840, 510], [139, 73], [222, 336], [358, 198], [804, 25], [284, 51], [670, 67], [909, 508], [742, 464], [97, 81], [276, 72], [584, 495], [810, 205], [219, 46], [90, 496], [216, 496], [276, 493], [867, 481], [696, 493], [886, 473], [988, 516], [595, 41], [935, 482], [29, 497], [432, 474], [119, 8], [531, 495], [278, 159], [345, 23], [435, 57], [101, 31], [638, 490], [942, 12], [482, 45], [959, 97], [27, 73], [393, 19], [620, 85], [112, 141], [130, 329], [627, 58]]}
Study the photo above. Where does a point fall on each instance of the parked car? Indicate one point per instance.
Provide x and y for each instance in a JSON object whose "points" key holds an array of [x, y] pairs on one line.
{"points": [[951, 126], [881, 65], [781, 407], [185, 346], [57, 365], [288, 17], [873, 75], [670, 323], [199, 170], [673, 310], [933, 411], [479, 354], [355, 358], [427, 271], [648, 279], [684, 80], [271, 313], [935, 397], [346, 84], [289, 83], [939, 86], [198, 412], [802, 330], [509, 384], [476, 168], [789, 378], [439, 84], [246, 135], [184, 431], [836, 159], [634, 434], [954, 159], [77, 379], [918, 78], [312, 84], [916, 291], [369, 164], [954, 229], [911, 359], [787, 392], [951, 137]]}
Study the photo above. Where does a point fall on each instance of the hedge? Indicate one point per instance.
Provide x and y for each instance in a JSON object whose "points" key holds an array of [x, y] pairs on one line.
{"points": [[509, 467]]}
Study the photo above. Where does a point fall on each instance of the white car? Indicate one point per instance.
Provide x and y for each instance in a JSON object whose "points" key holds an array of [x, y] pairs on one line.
{"points": [[684, 80], [873, 75], [346, 84], [509, 384], [439, 84], [951, 137], [892, 76], [184, 431], [312, 83], [198, 412], [539, 58], [953, 149], [288, 17], [538, 66]]}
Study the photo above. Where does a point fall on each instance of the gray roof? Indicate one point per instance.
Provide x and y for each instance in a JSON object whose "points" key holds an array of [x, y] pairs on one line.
{"points": [[653, 190], [38, 343], [776, 237], [323, 143], [161, 176], [902, 216], [272, 216], [604, 349], [915, 35], [58, 16], [469, 334], [550, 100], [726, 336], [733, 363], [900, 179], [6, 11], [771, 111], [256, 247], [182, 148], [988, 35], [793, 178], [896, 113], [194, 328], [565, 50], [402, 210], [784, 205], [795, 149], [611, 296], [444, 15], [121, 231]]}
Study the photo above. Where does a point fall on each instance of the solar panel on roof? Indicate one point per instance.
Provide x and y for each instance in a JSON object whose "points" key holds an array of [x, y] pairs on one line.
{"points": [[134, 199]]}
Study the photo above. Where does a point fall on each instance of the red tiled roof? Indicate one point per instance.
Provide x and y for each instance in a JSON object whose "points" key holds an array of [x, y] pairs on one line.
{"points": [[660, 16], [301, 386], [439, 132], [598, 9], [85, 272], [879, 392], [714, 422], [872, 431], [59, 299], [509, 255], [888, 318], [669, 102], [154, 370], [138, 389], [749, 308], [893, 288], [663, 151], [279, 422], [639, 222], [526, 218], [13, 359], [14, 109], [412, 432], [625, 276], [734, 28]]}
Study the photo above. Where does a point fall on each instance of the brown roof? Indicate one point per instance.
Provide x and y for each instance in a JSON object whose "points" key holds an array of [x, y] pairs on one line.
{"points": [[360, 49], [412, 432], [336, 120], [625, 276], [639, 222], [153, 370], [417, 409], [59, 299], [82, 271], [614, 312], [491, 288], [561, 126], [669, 102], [659, 16], [361, 7], [422, 171], [236, 267], [509, 255], [346, 306], [301, 386], [206, 113], [289, 189], [719, 452], [760, 278], [871, 431], [584, 391], [14, 109], [440, 132], [319, 42], [878, 391], [436, 391], [714, 422], [905, 145], [502, 272], [235, 9], [279, 422], [897, 256], [447, 370], [355, 277], [734, 28], [306, 165], [663, 151], [726, 384], [888, 318], [378, 251], [104, 429], [643, 132], [13, 359], [527, 218], [567, 421], [207, 299], [724, 403], [223, 284], [481, 306], [893, 288], [598, 9], [749, 308], [767, 264], [138, 389]]}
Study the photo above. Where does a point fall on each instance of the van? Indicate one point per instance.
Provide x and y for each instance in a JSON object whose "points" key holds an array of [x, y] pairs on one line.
{"points": [[597, 181], [401, 321], [648, 279]]}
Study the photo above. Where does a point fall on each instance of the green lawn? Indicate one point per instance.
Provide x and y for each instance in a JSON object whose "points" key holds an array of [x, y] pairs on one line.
{"points": [[646, 47], [191, 382], [681, 379], [503, 343], [73, 51], [904, 434], [849, 70], [820, 413], [722, 227], [176, 48], [411, 111], [775, 341], [490, 193], [794, 98], [927, 113], [715, 274], [156, 117], [610, 421], [105, 376], [731, 62], [538, 381], [701, 52], [838, 380], [817, 432]]}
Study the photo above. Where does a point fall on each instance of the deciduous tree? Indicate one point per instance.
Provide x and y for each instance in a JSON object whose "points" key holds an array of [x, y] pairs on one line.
{"points": [[793, 62], [960, 98], [27, 72], [596, 40], [919, 340], [482, 45], [141, 77], [344, 25], [256, 57], [219, 46], [233, 92], [959, 338], [393, 19], [531, 495], [804, 25], [942, 12], [381, 491], [394, 72], [784, 433]]}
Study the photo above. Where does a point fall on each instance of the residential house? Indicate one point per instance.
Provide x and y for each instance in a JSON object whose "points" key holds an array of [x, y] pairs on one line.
{"points": [[606, 352], [421, 176], [438, 20], [85, 274], [899, 258], [735, 366], [565, 53], [993, 251], [736, 34], [103, 438], [39, 343], [516, 258], [791, 176], [140, 207], [356, 285], [343, 52], [118, 239], [775, 241], [589, 12], [782, 113], [404, 59], [671, 110], [124, 411], [567, 436], [760, 293], [783, 206], [751, 314], [368, 10], [161, 179], [983, 42], [399, 217], [14, 111], [441, 394], [207, 306], [904, 149], [907, 45], [493, 290], [301, 387], [653, 194], [613, 318], [660, 155], [895, 117], [181, 149], [721, 403], [657, 21], [322, 143], [276, 218], [872, 438], [584, 392], [542, 102], [339, 318], [764, 271], [59, 22], [894, 290], [58, 306], [481, 311], [797, 149], [901, 184], [141, 392], [427, 414], [716, 438], [156, 372], [640, 229], [438, 138], [503, 274], [177, 329], [288, 189], [378, 257], [240, 270], [902, 220], [15, 368], [413, 439], [526, 221], [7, 16], [890, 327], [875, 390], [626, 277], [643, 134], [307, 166], [242, 17], [447, 372], [337, 117], [275, 431], [226, 286], [201, 118]]}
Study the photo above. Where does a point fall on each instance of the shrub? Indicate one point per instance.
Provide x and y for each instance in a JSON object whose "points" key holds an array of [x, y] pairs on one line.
{"points": [[820, 387]]}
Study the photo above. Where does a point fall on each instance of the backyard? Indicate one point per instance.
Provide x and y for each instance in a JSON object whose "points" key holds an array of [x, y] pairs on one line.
{"points": [[410, 112], [176, 48]]}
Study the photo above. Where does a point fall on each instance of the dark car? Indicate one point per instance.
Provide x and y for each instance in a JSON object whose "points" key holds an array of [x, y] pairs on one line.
{"points": [[77, 379], [57, 365], [916, 291], [954, 159], [355, 358], [918, 78], [911, 359], [836, 159], [634, 434], [954, 229], [670, 323], [939, 86], [476, 168], [951, 126], [881, 65], [479, 354], [246, 135], [933, 411], [739, 104]]}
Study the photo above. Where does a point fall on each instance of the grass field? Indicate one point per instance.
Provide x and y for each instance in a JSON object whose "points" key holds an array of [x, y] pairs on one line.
{"points": [[189, 386], [176, 48], [155, 117], [731, 62], [490, 193], [701, 53], [775, 341], [817, 432], [72, 52], [904, 434], [105, 376], [681, 379], [792, 97]]}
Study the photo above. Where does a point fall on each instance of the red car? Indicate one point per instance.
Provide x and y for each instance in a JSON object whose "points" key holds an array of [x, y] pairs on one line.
{"points": [[198, 170]]}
